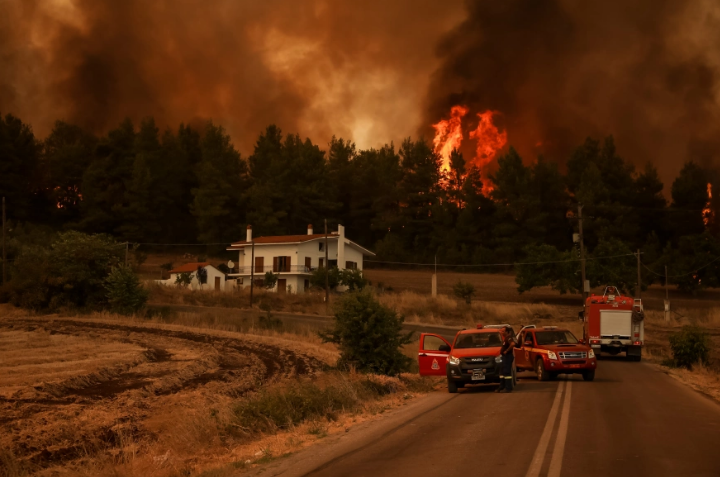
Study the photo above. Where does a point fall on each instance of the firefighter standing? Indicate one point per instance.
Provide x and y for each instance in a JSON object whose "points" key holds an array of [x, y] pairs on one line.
{"points": [[508, 360]]}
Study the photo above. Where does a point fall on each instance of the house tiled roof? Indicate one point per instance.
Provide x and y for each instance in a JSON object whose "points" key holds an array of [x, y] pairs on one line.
{"points": [[189, 267], [285, 239]]}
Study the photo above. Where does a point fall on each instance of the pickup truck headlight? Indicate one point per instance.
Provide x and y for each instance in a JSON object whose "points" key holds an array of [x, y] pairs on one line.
{"points": [[591, 354], [552, 355], [498, 359], [453, 360]]}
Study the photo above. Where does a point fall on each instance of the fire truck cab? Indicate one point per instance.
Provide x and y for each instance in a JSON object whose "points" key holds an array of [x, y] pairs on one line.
{"points": [[613, 324]]}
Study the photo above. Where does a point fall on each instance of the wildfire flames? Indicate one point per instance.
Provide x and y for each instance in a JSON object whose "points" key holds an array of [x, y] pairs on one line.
{"points": [[708, 214], [448, 134], [490, 140]]}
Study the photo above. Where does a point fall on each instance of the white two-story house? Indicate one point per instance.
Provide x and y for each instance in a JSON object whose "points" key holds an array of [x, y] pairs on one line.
{"points": [[294, 257]]}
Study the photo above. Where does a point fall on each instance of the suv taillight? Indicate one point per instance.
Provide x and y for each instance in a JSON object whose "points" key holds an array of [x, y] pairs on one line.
{"points": [[638, 343]]}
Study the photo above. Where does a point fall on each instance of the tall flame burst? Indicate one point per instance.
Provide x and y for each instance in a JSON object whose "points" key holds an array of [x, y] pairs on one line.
{"points": [[448, 134], [708, 214], [490, 140]]}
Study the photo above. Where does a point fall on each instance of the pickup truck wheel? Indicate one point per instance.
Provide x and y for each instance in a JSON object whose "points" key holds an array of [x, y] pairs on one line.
{"points": [[452, 387], [542, 374], [460, 385], [588, 375]]}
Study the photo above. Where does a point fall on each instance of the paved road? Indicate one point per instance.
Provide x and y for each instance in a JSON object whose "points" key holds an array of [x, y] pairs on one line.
{"points": [[633, 420]]}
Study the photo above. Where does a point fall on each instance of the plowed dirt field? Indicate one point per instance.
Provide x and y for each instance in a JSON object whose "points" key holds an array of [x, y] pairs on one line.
{"points": [[71, 389]]}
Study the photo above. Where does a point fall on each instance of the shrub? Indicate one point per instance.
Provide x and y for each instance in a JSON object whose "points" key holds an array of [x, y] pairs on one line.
{"points": [[183, 279], [270, 280], [353, 279], [201, 276], [71, 272], [276, 409], [464, 290], [369, 335], [317, 279], [690, 346], [125, 293]]}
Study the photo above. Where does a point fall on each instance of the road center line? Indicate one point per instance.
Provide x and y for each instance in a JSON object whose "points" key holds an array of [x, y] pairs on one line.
{"points": [[539, 456], [559, 450]]}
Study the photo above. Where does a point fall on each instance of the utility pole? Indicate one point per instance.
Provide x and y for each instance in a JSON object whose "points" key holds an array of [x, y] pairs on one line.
{"points": [[638, 292], [4, 257], [667, 297], [252, 270], [582, 252], [327, 269]]}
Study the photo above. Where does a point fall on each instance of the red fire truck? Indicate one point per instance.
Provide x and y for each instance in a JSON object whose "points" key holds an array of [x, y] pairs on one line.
{"points": [[613, 324]]}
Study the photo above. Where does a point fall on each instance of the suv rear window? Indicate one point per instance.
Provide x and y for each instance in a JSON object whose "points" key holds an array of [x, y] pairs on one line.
{"points": [[555, 337], [478, 340]]}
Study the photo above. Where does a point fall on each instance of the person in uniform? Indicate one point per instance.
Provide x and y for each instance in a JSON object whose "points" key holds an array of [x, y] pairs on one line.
{"points": [[508, 360]]}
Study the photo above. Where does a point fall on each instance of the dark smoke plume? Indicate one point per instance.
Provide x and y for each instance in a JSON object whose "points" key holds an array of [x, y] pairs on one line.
{"points": [[645, 71], [317, 67]]}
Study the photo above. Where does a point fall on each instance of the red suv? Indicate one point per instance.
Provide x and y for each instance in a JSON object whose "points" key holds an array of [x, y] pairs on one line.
{"points": [[550, 351], [473, 358]]}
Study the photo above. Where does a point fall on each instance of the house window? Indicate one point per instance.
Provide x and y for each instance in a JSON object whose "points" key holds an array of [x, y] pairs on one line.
{"points": [[322, 246], [351, 265], [308, 264], [281, 264]]}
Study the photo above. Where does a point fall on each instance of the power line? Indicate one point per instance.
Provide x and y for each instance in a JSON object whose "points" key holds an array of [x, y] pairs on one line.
{"points": [[498, 264], [695, 270]]}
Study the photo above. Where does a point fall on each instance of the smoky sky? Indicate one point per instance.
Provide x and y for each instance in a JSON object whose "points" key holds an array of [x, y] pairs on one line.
{"points": [[557, 71], [358, 70]]}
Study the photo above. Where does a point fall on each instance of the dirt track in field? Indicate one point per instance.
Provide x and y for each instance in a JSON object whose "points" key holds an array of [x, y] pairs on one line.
{"points": [[72, 388]]}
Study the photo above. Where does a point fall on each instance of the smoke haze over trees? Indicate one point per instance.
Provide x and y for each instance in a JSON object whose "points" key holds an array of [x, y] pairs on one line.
{"points": [[144, 185]]}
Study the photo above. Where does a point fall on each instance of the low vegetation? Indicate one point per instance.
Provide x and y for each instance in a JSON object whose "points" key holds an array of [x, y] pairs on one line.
{"points": [[368, 335], [690, 346]]}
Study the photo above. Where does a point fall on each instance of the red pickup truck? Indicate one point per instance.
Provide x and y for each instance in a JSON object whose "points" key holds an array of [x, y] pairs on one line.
{"points": [[550, 351], [473, 358]]}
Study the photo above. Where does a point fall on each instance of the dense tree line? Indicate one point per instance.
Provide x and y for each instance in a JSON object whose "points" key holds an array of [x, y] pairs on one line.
{"points": [[189, 185]]}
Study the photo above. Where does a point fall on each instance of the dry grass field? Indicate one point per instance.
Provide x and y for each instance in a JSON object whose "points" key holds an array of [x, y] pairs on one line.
{"points": [[104, 395]]}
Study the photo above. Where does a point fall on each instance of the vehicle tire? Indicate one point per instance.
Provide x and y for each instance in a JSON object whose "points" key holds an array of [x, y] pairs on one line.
{"points": [[452, 387], [542, 374], [460, 385], [588, 375], [553, 376]]}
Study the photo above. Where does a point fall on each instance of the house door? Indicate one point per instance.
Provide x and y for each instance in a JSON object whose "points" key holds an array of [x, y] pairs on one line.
{"points": [[282, 285], [308, 264], [259, 264], [217, 283]]}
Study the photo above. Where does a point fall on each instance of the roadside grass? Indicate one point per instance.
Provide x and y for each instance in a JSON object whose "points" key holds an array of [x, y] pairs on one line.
{"points": [[310, 302], [445, 310], [290, 416]]}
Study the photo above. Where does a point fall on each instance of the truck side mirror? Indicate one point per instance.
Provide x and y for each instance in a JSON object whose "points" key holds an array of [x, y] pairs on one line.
{"points": [[444, 347], [581, 315]]}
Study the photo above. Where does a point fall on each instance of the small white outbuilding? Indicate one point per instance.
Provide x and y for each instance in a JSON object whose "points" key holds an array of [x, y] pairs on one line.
{"points": [[215, 278]]}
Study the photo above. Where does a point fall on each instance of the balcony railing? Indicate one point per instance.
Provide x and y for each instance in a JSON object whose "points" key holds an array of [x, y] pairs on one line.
{"points": [[269, 268]]}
